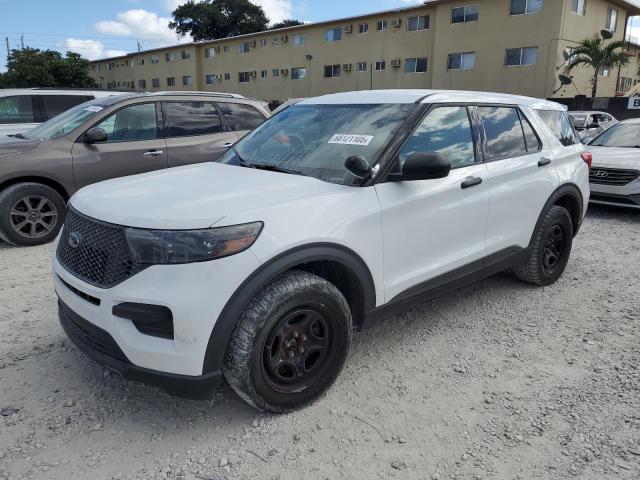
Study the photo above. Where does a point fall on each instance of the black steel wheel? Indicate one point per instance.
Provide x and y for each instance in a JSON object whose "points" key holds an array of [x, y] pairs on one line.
{"points": [[30, 214], [290, 343]]}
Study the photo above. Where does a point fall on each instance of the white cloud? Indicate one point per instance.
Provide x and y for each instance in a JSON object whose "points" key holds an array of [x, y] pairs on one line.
{"points": [[171, 5], [276, 10], [141, 25], [91, 49]]}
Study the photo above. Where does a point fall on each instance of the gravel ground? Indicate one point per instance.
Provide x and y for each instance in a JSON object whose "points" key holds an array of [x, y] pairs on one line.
{"points": [[501, 380]]}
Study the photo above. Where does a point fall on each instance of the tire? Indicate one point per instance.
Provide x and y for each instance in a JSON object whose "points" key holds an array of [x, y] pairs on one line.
{"points": [[30, 214], [549, 250], [263, 363]]}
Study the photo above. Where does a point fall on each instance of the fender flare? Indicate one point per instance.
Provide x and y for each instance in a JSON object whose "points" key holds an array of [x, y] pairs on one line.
{"points": [[567, 189], [222, 330]]}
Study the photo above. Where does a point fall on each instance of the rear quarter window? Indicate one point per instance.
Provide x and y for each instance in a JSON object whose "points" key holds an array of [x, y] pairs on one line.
{"points": [[241, 116], [560, 125]]}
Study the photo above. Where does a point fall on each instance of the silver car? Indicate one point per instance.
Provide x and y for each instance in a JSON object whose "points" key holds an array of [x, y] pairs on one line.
{"points": [[588, 124], [111, 137], [615, 175]]}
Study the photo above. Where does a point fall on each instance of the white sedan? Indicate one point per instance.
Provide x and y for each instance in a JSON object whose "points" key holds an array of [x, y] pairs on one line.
{"points": [[615, 176]]}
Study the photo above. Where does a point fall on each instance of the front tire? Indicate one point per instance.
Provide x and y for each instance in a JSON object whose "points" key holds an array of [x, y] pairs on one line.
{"points": [[290, 343], [30, 214], [550, 249]]}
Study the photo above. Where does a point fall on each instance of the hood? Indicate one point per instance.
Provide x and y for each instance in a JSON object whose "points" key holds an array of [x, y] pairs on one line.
{"points": [[193, 196], [10, 145], [615, 157]]}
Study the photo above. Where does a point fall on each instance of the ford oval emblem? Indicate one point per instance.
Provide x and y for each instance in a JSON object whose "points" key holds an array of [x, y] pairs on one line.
{"points": [[74, 239]]}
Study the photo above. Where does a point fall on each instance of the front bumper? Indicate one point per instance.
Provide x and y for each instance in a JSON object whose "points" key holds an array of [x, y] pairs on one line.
{"points": [[98, 345], [620, 196]]}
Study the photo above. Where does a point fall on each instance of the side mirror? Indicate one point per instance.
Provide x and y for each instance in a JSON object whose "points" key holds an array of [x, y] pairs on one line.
{"points": [[95, 135], [357, 166], [423, 166]]}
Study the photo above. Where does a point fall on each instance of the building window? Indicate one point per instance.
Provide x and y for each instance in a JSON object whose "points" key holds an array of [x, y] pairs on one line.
{"points": [[362, 66], [275, 72], [332, 71], [468, 13], [612, 19], [225, 48], [333, 34], [140, 61], [363, 28], [142, 83], [579, 6], [186, 54], [169, 57], [420, 22], [604, 72], [625, 84], [244, 47], [298, 73], [211, 79], [461, 61], [227, 76], [516, 57], [243, 77], [298, 40], [523, 7], [415, 65], [264, 73], [263, 43], [381, 65], [154, 59], [209, 52], [186, 80], [171, 81], [155, 82], [381, 25]]}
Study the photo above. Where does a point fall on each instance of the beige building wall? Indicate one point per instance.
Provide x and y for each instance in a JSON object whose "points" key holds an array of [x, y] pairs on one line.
{"points": [[275, 52]]}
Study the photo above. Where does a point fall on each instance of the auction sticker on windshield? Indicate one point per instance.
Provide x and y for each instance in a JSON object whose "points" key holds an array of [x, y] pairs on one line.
{"points": [[346, 139]]}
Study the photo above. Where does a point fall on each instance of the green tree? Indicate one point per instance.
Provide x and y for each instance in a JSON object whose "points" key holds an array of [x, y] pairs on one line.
{"points": [[286, 23], [31, 67], [594, 53], [211, 19]]}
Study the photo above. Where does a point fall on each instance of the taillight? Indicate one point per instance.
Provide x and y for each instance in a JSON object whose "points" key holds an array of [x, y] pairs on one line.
{"points": [[588, 158]]}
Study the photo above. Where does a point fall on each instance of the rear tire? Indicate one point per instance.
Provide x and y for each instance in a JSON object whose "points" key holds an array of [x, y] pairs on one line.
{"points": [[30, 214], [290, 343], [550, 249]]}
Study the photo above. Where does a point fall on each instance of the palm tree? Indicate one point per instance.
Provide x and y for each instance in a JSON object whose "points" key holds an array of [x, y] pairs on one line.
{"points": [[592, 52]]}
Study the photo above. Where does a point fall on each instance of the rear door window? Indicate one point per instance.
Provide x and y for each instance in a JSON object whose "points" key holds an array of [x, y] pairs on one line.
{"points": [[16, 109], [187, 119], [53, 105], [503, 131], [560, 125], [240, 116], [135, 122]]}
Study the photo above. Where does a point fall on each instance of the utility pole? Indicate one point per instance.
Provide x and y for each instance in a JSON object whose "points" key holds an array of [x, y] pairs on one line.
{"points": [[6, 39], [22, 40], [139, 46]]}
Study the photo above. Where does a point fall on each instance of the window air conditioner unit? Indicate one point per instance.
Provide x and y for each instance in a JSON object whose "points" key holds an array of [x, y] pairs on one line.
{"points": [[284, 72], [217, 49], [396, 22], [348, 29], [395, 63], [254, 44], [346, 67], [254, 74], [284, 38]]}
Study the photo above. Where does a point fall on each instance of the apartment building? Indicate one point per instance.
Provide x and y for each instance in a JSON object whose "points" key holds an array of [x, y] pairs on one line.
{"points": [[512, 46]]}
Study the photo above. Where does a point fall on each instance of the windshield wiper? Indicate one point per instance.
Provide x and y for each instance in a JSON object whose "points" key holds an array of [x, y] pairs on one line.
{"points": [[269, 168], [18, 135]]}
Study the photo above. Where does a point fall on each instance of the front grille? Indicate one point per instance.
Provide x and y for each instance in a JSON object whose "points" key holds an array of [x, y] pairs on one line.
{"points": [[95, 251], [612, 176]]}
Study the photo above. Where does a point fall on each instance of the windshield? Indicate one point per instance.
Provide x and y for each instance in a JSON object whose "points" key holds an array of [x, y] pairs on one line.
{"points": [[315, 140], [65, 122], [621, 135]]}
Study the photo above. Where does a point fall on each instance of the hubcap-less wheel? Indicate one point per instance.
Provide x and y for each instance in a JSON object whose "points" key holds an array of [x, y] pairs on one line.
{"points": [[33, 216], [553, 247], [295, 351]]}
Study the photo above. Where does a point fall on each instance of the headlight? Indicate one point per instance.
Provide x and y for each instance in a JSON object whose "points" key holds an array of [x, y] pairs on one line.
{"points": [[166, 247]]}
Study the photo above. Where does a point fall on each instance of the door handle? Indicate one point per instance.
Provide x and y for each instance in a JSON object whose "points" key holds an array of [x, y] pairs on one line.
{"points": [[544, 161], [153, 153], [228, 144], [471, 182]]}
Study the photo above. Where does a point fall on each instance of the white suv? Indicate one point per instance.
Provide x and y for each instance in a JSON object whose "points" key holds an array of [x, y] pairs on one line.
{"points": [[259, 266]]}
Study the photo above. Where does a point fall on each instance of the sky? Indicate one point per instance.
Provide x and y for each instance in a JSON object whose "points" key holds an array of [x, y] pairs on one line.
{"points": [[98, 29]]}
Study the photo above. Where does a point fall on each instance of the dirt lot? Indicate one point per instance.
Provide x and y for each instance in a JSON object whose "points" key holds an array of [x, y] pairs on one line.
{"points": [[500, 380]]}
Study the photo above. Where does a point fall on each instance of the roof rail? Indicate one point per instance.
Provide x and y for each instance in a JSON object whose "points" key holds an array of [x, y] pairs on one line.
{"points": [[212, 94]]}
